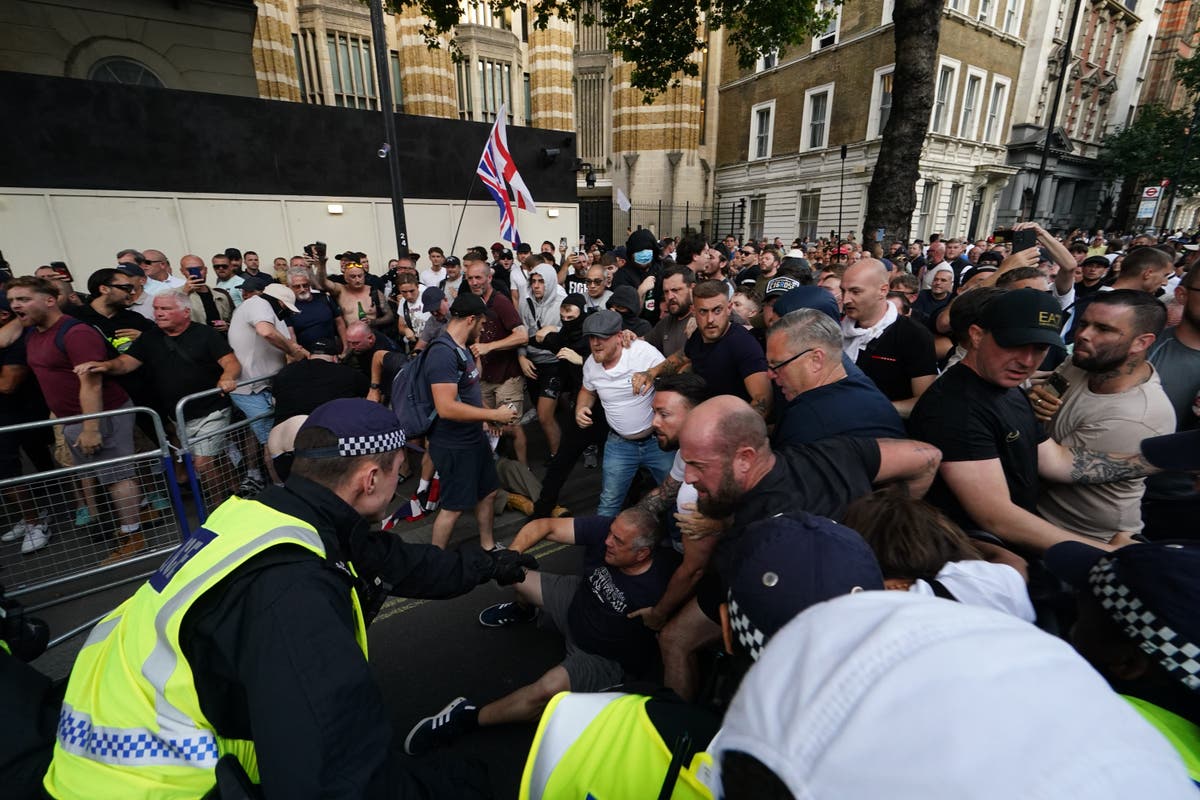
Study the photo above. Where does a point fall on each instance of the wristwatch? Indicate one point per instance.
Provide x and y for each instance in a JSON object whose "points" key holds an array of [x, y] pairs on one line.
{"points": [[376, 386]]}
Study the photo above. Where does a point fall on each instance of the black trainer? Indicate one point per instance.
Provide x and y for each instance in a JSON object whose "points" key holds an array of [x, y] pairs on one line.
{"points": [[502, 614], [453, 720]]}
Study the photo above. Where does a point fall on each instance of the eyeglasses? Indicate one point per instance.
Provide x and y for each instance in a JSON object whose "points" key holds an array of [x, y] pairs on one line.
{"points": [[155, 261], [124, 287], [749, 253], [785, 362], [594, 281]]}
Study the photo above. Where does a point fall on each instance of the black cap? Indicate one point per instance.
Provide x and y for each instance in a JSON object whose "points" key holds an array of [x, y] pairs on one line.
{"points": [[1022, 317], [781, 285], [325, 347], [361, 427], [1095, 261], [468, 304], [132, 270], [1176, 451], [575, 299], [991, 257], [255, 283], [452, 261], [625, 297], [233, 254]]}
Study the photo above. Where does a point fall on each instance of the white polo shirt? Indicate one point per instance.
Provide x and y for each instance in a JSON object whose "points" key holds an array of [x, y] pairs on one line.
{"points": [[628, 414]]}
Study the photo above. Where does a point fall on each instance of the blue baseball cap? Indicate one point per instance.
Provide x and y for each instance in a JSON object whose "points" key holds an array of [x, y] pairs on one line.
{"points": [[362, 427], [786, 563], [813, 297]]}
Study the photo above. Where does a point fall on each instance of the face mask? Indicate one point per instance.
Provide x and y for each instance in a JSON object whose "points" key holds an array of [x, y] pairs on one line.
{"points": [[643, 257]]}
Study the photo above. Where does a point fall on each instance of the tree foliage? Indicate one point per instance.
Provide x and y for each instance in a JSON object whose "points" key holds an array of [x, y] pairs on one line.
{"points": [[658, 37]]}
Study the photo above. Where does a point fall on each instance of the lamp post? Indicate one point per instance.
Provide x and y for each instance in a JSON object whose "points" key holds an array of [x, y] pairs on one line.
{"points": [[1050, 122], [389, 150]]}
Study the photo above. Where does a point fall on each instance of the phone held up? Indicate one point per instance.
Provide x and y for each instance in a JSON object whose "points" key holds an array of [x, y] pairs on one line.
{"points": [[1020, 240]]}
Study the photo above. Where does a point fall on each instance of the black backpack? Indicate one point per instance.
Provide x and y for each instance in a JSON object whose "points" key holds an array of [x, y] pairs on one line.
{"points": [[412, 396]]}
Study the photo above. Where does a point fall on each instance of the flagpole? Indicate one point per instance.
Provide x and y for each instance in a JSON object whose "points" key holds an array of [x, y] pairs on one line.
{"points": [[463, 213]]}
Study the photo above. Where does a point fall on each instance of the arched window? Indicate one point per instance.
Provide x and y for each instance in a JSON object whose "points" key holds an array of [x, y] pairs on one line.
{"points": [[124, 70]]}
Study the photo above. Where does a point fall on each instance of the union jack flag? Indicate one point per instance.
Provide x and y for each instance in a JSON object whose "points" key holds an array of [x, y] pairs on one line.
{"points": [[498, 173]]}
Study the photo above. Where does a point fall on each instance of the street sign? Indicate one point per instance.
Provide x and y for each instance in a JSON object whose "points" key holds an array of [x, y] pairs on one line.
{"points": [[1148, 207], [1151, 193]]}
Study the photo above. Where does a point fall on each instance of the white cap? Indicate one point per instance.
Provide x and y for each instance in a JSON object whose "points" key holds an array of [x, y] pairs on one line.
{"points": [[890, 694]]}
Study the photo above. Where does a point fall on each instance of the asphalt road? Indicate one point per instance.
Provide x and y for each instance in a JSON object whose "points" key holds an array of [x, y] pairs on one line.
{"points": [[423, 653]]}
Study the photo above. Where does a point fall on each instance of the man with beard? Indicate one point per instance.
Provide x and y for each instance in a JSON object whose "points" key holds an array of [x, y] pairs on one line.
{"points": [[112, 293], [319, 317], [739, 479], [671, 333], [457, 443], [1113, 400], [994, 450], [725, 355], [208, 306]]}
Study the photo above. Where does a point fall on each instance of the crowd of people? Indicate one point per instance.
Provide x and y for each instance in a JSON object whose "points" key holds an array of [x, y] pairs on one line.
{"points": [[774, 427]]}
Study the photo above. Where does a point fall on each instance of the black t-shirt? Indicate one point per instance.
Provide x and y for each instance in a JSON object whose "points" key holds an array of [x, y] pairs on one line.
{"points": [[725, 363], [970, 419], [184, 364], [577, 283], [300, 387], [361, 361], [822, 478], [122, 320], [26, 402], [904, 351], [316, 320], [598, 613], [927, 308]]}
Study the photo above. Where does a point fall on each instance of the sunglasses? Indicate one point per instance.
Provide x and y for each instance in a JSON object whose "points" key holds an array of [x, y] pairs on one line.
{"points": [[124, 287], [594, 281], [785, 362]]}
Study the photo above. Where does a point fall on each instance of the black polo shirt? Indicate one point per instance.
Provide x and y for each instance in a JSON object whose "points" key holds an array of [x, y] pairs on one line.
{"points": [[970, 419], [902, 352]]}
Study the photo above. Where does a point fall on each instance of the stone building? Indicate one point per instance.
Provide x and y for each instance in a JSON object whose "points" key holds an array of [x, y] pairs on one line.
{"points": [[784, 123]]}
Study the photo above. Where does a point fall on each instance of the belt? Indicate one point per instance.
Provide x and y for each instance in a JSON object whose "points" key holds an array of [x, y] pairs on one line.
{"points": [[638, 438]]}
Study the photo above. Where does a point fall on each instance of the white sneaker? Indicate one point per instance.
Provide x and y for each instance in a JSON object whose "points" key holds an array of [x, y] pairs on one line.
{"points": [[19, 530], [36, 538]]}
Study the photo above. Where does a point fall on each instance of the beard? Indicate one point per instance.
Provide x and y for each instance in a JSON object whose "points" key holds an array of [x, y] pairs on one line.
{"points": [[724, 501], [1100, 361]]}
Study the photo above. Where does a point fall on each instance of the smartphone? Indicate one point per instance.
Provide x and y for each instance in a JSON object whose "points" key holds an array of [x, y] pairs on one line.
{"points": [[319, 247], [194, 273], [1024, 239], [1056, 384], [61, 269], [1002, 235], [562, 243]]}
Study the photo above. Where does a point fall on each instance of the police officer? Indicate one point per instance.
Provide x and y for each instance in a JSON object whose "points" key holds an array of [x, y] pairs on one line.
{"points": [[251, 640]]}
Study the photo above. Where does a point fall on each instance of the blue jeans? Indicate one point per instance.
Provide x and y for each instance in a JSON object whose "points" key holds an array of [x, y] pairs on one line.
{"points": [[255, 405], [621, 461]]}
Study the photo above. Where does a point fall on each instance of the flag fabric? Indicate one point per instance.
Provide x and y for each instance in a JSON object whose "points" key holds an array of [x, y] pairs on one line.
{"points": [[623, 201], [499, 174]]}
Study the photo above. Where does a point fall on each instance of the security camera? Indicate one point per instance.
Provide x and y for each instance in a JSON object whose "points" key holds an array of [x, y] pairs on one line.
{"points": [[384, 149]]}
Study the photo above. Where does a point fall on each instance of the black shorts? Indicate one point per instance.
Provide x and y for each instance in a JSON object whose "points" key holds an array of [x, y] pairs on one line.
{"points": [[548, 383], [710, 593], [466, 475]]}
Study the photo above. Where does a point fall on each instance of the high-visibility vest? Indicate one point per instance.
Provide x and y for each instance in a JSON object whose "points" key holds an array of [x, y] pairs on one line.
{"points": [[603, 746], [131, 723], [1183, 735]]}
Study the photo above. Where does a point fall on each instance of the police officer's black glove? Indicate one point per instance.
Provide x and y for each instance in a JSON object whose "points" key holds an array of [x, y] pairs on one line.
{"points": [[508, 566]]}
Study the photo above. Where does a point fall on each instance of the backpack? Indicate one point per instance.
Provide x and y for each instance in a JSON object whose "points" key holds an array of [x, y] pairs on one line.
{"points": [[70, 322], [412, 396]]}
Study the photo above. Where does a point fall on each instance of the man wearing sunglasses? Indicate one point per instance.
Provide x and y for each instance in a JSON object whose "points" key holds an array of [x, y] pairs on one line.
{"points": [[598, 293], [113, 292]]}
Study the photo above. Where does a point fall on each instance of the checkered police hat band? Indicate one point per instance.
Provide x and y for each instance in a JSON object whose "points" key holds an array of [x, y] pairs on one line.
{"points": [[745, 633], [375, 443], [1177, 657]]}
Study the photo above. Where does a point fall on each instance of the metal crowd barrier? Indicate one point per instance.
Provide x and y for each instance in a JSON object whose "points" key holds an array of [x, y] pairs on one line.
{"points": [[82, 547], [214, 485]]}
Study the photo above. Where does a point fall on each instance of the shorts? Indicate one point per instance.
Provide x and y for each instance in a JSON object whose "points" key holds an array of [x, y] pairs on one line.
{"points": [[467, 475], [587, 672], [710, 594], [205, 435], [256, 405], [548, 383], [509, 391], [116, 434]]}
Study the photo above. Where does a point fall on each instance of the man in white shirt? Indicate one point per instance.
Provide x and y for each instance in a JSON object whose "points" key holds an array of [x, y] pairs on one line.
{"points": [[158, 273], [608, 374], [436, 272]]}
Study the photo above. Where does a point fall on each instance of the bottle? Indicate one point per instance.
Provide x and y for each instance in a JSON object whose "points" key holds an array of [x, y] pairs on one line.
{"points": [[362, 315]]}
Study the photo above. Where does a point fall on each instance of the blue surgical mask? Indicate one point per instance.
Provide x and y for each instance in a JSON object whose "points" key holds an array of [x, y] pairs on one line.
{"points": [[643, 257]]}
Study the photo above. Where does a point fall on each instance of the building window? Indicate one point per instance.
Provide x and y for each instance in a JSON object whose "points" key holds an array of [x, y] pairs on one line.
{"points": [[889, 12], [397, 89], [881, 100], [762, 129], [300, 68], [1096, 52], [969, 121], [952, 211], [482, 14], [308, 66], [943, 99], [462, 76], [495, 88], [928, 200], [1012, 10], [985, 11], [528, 101], [829, 36], [758, 216], [351, 71], [810, 213], [993, 127], [126, 71], [768, 60], [815, 130]]}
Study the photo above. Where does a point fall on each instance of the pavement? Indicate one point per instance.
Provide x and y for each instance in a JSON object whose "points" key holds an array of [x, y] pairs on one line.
{"points": [[423, 653]]}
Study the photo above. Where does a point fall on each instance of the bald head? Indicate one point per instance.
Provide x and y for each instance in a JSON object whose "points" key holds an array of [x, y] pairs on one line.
{"points": [[864, 292], [359, 337], [156, 265], [728, 423], [725, 453]]}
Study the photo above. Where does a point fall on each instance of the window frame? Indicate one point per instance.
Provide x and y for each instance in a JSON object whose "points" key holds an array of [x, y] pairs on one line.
{"points": [[835, 30], [758, 228], [803, 224], [760, 64], [955, 66], [752, 150], [875, 122], [806, 120], [1006, 84], [1017, 7], [973, 132]]}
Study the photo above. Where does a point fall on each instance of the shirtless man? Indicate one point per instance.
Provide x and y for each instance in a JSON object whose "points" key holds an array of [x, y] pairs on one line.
{"points": [[358, 301]]}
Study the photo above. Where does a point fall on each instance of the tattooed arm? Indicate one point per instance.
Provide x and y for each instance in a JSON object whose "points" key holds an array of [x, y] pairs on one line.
{"points": [[914, 463], [761, 392], [1079, 465], [661, 499]]}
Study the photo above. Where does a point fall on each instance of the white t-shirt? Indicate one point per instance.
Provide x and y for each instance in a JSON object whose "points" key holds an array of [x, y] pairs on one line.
{"points": [[258, 357], [153, 287], [982, 583], [451, 287], [628, 414], [687, 493], [429, 277]]}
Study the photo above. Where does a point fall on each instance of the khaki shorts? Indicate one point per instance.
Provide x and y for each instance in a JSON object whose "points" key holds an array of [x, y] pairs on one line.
{"points": [[509, 391], [205, 437]]}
